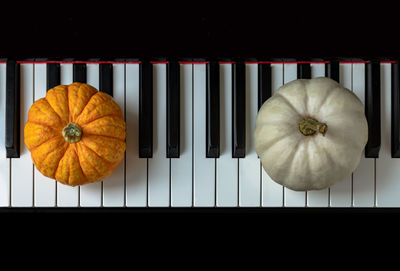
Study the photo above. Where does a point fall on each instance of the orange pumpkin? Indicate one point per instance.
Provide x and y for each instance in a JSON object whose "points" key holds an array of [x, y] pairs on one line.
{"points": [[75, 134]]}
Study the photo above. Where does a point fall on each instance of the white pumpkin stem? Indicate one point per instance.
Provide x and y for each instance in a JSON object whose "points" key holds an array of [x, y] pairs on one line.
{"points": [[72, 133], [309, 126]]}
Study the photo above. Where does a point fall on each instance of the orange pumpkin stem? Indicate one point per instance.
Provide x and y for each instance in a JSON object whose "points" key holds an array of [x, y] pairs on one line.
{"points": [[72, 133]]}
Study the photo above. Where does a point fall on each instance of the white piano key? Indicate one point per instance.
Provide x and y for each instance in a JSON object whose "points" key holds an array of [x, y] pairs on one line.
{"points": [[272, 192], [204, 168], [317, 70], [289, 72], [249, 166], [4, 162], [387, 168], [44, 187], [318, 198], [341, 192], [114, 185], [226, 166], [159, 164], [136, 168], [363, 175], [181, 168], [22, 168], [291, 197], [67, 196], [91, 194]]}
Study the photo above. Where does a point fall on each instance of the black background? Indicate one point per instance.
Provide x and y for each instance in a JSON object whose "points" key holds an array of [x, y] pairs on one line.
{"points": [[201, 29]]}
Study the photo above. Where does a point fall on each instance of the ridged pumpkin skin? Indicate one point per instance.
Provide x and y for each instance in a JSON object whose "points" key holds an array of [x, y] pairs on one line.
{"points": [[101, 146], [311, 134]]}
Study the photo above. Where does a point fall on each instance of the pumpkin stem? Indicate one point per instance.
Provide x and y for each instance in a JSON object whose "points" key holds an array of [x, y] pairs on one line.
{"points": [[72, 133], [309, 126]]}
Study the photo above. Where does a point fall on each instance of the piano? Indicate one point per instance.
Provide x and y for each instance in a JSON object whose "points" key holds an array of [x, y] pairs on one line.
{"points": [[190, 83], [190, 124]]}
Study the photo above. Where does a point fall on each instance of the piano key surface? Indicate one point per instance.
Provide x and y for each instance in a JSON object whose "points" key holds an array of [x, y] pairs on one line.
{"points": [[372, 108], [213, 106], [22, 167], [226, 166], [145, 127], [53, 75], [203, 168], [182, 168], [332, 70], [12, 129], [387, 168], [80, 74], [264, 83], [106, 78], [173, 109], [238, 107], [249, 166], [395, 116], [136, 167], [159, 164], [4, 161], [193, 179]]}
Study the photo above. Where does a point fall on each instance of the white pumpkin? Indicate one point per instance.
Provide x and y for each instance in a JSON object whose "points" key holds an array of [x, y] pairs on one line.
{"points": [[310, 134]]}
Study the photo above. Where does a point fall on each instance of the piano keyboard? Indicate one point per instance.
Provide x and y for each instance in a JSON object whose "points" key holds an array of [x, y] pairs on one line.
{"points": [[190, 134]]}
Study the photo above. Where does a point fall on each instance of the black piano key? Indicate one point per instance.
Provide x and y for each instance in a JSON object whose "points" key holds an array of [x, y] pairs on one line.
{"points": [[12, 110], [395, 110], [79, 72], [373, 108], [53, 75], [332, 70], [238, 110], [212, 110], [264, 83], [173, 109], [395, 128], [106, 78], [303, 71], [146, 110]]}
